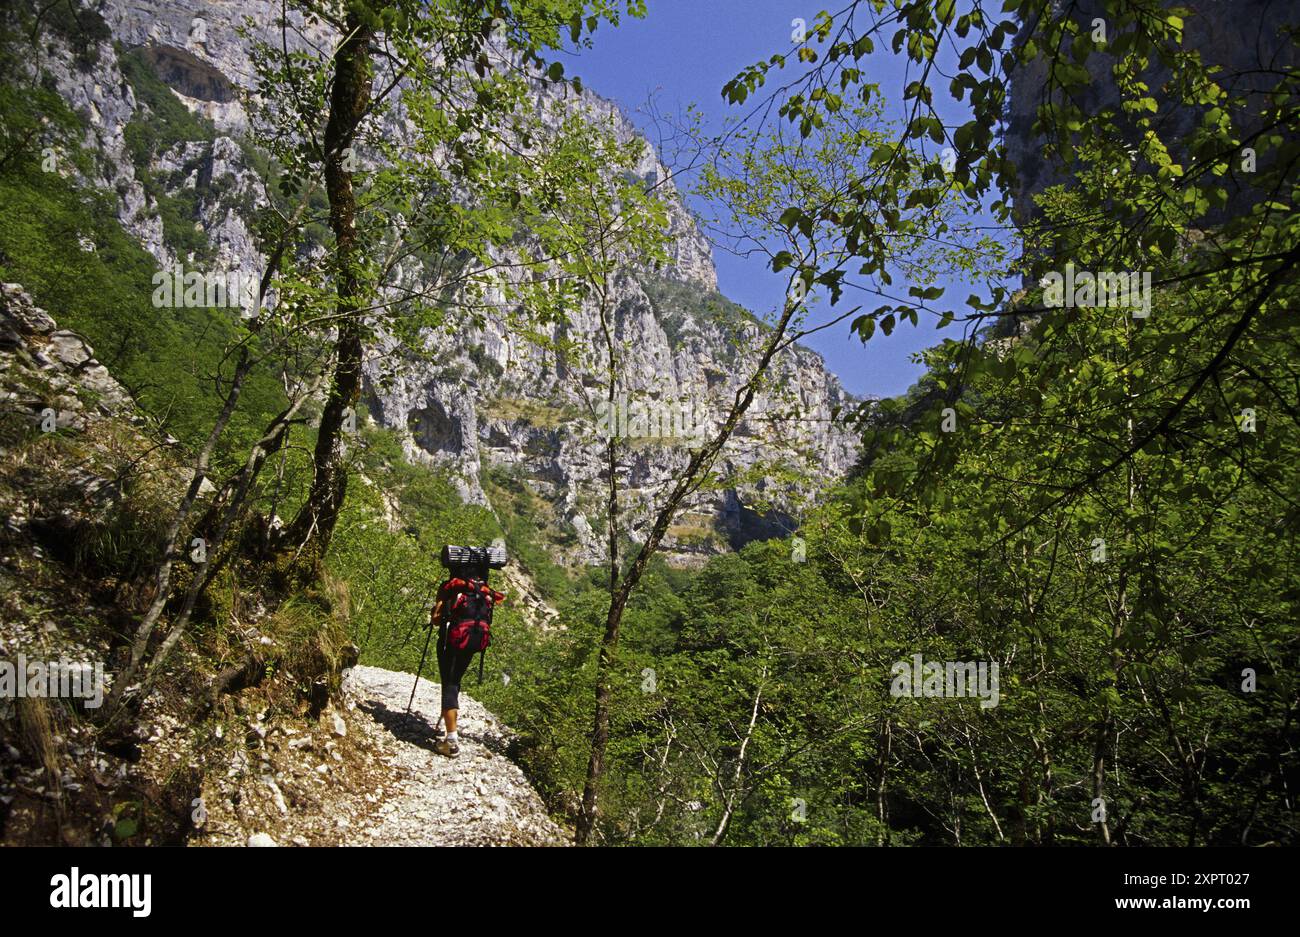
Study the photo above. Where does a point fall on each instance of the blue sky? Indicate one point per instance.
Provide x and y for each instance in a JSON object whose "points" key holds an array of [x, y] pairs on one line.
{"points": [[682, 53]]}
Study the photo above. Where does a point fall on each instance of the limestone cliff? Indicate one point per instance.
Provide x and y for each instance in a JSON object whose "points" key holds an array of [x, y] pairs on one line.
{"points": [[489, 402]]}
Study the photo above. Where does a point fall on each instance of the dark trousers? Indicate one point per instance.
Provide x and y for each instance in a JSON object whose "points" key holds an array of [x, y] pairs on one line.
{"points": [[452, 664]]}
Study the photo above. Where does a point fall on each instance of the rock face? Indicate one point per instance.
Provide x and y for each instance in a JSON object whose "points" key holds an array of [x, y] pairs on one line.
{"points": [[490, 404], [1243, 38], [70, 385]]}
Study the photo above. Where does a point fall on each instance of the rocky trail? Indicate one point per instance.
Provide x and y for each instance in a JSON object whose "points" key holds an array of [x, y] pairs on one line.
{"points": [[479, 798], [377, 781]]}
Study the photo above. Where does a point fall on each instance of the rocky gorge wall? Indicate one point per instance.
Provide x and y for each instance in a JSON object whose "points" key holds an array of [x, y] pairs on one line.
{"points": [[484, 403], [1244, 39]]}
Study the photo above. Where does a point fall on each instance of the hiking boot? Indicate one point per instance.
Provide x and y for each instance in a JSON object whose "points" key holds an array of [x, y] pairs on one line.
{"points": [[443, 747]]}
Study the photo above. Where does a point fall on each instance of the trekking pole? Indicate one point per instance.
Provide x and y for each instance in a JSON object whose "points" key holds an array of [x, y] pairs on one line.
{"points": [[423, 655]]}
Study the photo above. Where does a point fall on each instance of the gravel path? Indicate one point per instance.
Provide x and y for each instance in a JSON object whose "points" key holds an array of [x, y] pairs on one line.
{"points": [[480, 798]]}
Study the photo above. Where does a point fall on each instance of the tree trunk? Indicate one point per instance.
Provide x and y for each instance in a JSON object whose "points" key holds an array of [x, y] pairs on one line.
{"points": [[687, 483], [170, 552], [232, 497], [349, 97], [735, 797]]}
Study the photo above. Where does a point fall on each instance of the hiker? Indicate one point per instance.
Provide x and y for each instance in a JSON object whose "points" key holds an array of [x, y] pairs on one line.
{"points": [[463, 616]]}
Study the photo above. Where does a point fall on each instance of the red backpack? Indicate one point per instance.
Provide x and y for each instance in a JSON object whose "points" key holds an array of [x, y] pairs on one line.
{"points": [[469, 604]]}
